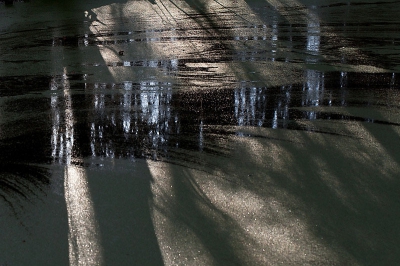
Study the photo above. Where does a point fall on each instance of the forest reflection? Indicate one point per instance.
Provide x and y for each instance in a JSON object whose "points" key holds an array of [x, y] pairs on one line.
{"points": [[147, 115], [150, 118], [189, 94], [269, 118]]}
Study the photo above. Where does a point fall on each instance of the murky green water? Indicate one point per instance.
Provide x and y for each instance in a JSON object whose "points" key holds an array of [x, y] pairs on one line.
{"points": [[179, 132]]}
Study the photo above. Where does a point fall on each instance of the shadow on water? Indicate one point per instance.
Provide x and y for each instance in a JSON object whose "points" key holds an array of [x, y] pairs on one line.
{"points": [[335, 178], [358, 218], [348, 32], [92, 140], [344, 192], [122, 200], [325, 170], [361, 224], [183, 129], [217, 232], [43, 120]]}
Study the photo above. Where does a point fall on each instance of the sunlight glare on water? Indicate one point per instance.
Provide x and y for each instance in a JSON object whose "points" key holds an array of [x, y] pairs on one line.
{"points": [[83, 237], [210, 132]]}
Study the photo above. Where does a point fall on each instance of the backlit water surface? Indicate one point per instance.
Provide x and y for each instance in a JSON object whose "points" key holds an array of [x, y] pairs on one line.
{"points": [[209, 132]]}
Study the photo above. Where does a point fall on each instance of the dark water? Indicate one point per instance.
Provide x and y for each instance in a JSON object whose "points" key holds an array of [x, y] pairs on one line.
{"points": [[292, 103]]}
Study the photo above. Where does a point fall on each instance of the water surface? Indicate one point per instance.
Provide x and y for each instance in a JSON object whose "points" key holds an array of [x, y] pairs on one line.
{"points": [[199, 132]]}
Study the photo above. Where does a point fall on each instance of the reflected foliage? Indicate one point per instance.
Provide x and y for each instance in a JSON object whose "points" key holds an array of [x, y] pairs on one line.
{"points": [[150, 120], [21, 181], [23, 151], [219, 96]]}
